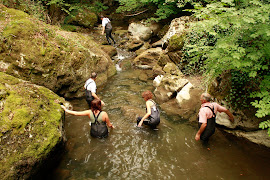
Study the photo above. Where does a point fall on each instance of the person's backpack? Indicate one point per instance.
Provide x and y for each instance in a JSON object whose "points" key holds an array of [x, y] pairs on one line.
{"points": [[88, 94], [155, 115], [98, 129]]}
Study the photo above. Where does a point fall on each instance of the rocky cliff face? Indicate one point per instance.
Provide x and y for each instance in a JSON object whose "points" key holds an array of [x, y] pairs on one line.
{"points": [[45, 55], [30, 126]]}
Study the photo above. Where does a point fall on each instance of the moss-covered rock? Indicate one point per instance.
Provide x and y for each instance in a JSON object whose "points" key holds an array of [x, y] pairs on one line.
{"points": [[30, 124], [45, 55], [176, 42], [84, 18]]}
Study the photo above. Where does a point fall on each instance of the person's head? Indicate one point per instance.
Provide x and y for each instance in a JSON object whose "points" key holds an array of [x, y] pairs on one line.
{"points": [[96, 105], [146, 95], [101, 17], [205, 97], [93, 75]]}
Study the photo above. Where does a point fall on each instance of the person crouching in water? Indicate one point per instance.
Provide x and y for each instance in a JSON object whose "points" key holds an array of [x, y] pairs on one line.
{"points": [[152, 116], [99, 119]]}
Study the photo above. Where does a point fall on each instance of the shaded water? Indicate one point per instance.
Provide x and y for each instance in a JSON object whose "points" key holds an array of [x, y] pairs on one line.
{"points": [[140, 153]]}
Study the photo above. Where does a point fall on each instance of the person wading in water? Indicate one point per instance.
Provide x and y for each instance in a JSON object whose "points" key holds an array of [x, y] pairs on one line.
{"points": [[152, 116], [99, 119], [207, 117]]}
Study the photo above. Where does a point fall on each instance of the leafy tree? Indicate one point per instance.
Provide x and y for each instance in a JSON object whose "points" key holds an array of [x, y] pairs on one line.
{"points": [[234, 35], [164, 8]]}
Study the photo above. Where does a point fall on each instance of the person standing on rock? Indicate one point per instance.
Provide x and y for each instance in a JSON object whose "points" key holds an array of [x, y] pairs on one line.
{"points": [[90, 89], [107, 28], [152, 116], [207, 117]]}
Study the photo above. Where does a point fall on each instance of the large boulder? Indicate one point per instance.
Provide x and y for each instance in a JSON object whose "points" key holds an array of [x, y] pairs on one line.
{"points": [[45, 55], [31, 127], [140, 31], [245, 118], [148, 59], [83, 18], [169, 86]]}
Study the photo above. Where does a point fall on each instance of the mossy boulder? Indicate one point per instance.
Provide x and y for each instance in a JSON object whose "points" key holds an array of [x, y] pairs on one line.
{"points": [[30, 124], [84, 18], [48, 56], [176, 42]]}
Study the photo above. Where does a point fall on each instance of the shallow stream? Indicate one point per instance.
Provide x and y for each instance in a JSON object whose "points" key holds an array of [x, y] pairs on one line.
{"points": [[141, 153]]}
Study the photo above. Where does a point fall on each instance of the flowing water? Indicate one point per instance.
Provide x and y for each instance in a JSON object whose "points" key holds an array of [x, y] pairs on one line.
{"points": [[141, 153]]}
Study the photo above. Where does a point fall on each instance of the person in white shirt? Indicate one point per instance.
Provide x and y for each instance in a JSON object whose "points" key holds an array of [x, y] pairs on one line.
{"points": [[91, 87], [107, 28]]}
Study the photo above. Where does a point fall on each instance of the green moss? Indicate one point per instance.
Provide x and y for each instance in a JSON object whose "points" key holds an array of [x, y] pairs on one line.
{"points": [[32, 117], [176, 42], [84, 18]]}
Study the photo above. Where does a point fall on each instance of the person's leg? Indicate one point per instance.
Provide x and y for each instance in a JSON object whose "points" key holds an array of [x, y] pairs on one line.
{"points": [[89, 103], [108, 36]]}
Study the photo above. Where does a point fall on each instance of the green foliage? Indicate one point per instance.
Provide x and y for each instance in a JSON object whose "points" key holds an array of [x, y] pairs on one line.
{"points": [[234, 35], [241, 86], [164, 8], [265, 125]]}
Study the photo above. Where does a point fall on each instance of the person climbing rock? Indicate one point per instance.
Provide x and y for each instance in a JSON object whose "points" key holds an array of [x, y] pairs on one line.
{"points": [[107, 28]]}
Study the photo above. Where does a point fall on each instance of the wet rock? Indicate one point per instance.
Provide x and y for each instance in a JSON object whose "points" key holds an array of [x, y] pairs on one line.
{"points": [[259, 137]]}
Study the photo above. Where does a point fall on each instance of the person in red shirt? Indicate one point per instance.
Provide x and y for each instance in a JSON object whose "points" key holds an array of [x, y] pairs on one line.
{"points": [[207, 117]]}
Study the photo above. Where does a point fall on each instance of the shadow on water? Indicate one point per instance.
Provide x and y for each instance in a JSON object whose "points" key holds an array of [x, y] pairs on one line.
{"points": [[141, 153]]}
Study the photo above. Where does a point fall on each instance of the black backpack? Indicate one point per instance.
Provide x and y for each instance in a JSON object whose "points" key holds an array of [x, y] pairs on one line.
{"points": [[154, 118], [88, 94], [98, 129]]}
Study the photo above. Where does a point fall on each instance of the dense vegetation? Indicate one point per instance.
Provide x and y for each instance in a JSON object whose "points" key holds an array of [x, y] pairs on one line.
{"points": [[233, 36], [230, 36]]}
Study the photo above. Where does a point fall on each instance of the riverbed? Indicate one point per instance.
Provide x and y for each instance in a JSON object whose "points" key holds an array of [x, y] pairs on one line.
{"points": [[170, 152]]}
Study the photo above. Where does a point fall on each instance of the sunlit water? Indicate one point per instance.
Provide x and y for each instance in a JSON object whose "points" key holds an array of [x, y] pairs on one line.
{"points": [[141, 153]]}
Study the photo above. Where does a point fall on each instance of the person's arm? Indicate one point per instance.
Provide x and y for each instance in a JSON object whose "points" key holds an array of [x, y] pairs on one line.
{"points": [[230, 115], [200, 131], [203, 120], [105, 118], [76, 113], [223, 109], [96, 97], [103, 30], [148, 113]]}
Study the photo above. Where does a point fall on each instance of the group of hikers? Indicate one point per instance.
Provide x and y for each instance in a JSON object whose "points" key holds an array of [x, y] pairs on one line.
{"points": [[100, 120]]}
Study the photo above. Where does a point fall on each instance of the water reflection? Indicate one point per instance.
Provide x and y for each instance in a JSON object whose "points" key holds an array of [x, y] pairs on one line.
{"points": [[141, 153]]}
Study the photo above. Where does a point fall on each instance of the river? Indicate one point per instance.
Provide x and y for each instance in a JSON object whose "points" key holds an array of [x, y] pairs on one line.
{"points": [[170, 152]]}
